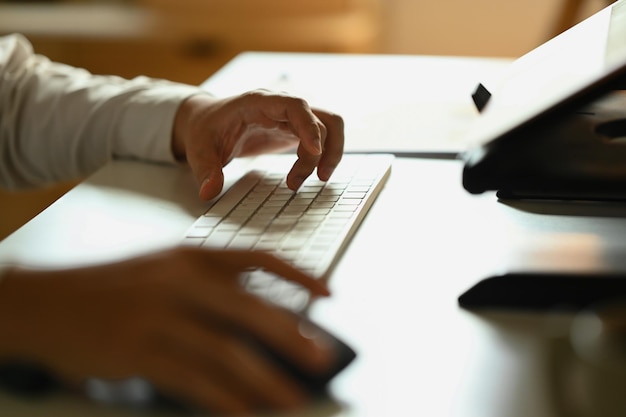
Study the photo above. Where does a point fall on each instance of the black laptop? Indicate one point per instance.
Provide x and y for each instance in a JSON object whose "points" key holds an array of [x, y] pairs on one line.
{"points": [[555, 126]]}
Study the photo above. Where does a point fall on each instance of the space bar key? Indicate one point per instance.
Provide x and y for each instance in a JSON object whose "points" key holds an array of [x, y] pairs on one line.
{"points": [[234, 195]]}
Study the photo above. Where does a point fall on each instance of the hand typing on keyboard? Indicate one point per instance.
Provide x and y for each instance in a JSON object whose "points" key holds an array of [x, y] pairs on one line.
{"points": [[309, 228], [209, 132]]}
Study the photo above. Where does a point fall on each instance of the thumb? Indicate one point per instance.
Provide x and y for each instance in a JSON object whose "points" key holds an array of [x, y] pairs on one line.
{"points": [[206, 164], [211, 182]]}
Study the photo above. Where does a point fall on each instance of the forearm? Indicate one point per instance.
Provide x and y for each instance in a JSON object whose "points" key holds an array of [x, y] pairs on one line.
{"points": [[58, 122]]}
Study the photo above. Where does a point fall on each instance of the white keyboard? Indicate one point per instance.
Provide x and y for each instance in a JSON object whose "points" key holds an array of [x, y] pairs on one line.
{"points": [[308, 228]]}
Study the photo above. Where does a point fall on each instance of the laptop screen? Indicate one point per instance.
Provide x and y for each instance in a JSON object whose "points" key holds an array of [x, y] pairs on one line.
{"points": [[582, 63]]}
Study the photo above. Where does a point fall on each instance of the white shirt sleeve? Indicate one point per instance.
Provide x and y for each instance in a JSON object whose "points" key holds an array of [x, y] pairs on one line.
{"points": [[59, 122]]}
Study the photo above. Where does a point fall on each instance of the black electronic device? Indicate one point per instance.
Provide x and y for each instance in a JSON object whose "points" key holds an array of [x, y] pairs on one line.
{"points": [[554, 127], [545, 291]]}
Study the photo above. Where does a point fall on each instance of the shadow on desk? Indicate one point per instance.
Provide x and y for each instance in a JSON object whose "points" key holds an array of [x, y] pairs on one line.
{"points": [[18, 207], [577, 208], [70, 404]]}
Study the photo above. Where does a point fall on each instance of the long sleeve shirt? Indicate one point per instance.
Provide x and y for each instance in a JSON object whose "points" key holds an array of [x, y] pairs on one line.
{"points": [[59, 122]]}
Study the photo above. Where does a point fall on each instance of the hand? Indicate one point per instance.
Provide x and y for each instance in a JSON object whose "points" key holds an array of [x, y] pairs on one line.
{"points": [[175, 318], [209, 132]]}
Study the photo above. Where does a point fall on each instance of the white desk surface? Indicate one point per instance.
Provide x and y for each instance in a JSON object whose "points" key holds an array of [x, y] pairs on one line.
{"points": [[389, 103], [394, 291]]}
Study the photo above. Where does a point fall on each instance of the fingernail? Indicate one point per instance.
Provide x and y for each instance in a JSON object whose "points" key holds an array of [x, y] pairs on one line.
{"points": [[204, 183], [323, 289], [322, 349], [324, 173], [205, 193], [296, 182]]}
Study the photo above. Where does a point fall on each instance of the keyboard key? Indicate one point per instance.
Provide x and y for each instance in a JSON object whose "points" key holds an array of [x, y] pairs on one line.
{"points": [[306, 228]]}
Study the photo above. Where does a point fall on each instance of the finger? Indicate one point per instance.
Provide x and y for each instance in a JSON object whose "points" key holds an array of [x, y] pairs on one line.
{"points": [[270, 325], [185, 381], [243, 260], [207, 166], [301, 169], [237, 363], [333, 144], [307, 127], [232, 262], [211, 182], [332, 131], [297, 113], [232, 306]]}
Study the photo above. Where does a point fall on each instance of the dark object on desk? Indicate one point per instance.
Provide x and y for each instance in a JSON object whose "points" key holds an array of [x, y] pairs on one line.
{"points": [[316, 382], [544, 291], [25, 379], [481, 97], [555, 127]]}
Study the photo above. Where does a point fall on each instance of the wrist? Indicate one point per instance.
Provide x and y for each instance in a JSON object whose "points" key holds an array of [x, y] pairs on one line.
{"points": [[189, 109]]}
